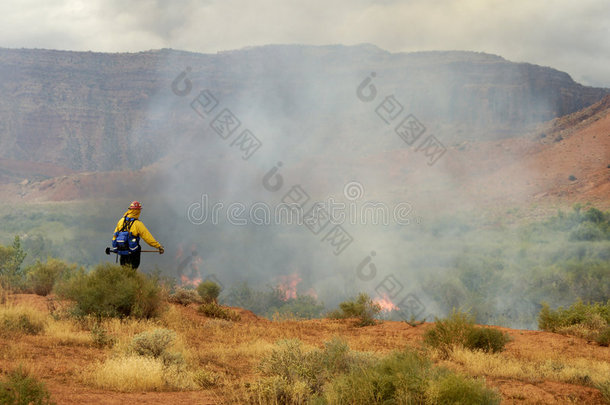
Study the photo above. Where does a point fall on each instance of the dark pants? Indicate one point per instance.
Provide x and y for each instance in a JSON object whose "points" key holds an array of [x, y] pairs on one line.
{"points": [[132, 259]]}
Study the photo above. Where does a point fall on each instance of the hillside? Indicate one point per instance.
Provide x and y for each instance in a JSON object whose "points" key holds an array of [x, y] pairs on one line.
{"points": [[81, 111], [536, 367]]}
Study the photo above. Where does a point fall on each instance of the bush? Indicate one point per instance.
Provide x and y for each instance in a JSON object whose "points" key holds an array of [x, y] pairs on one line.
{"points": [[41, 277], [262, 303], [450, 332], [153, 343], [363, 308], [111, 290], [100, 336], [295, 375], [12, 275], [591, 316], [603, 338], [213, 310], [208, 291], [19, 388], [459, 330], [406, 378], [587, 231], [487, 339], [455, 389], [21, 320], [301, 307], [184, 297]]}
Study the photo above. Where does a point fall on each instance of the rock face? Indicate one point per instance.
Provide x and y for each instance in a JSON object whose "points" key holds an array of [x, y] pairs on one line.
{"points": [[88, 111]]}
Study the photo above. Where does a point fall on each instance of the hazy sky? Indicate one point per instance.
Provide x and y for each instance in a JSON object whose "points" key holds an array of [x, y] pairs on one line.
{"points": [[573, 36]]}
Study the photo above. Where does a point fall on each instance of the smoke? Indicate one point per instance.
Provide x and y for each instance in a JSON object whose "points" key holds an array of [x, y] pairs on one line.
{"points": [[301, 105], [439, 135]]}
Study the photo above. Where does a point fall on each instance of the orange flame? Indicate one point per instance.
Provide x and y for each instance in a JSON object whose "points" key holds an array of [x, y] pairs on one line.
{"points": [[288, 286], [386, 304], [187, 281]]}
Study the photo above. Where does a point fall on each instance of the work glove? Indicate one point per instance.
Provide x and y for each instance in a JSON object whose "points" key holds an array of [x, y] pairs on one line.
{"points": [[161, 250]]}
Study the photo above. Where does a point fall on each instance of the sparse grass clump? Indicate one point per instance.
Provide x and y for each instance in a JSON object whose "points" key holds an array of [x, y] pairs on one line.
{"points": [[208, 291], [151, 362], [363, 308], [138, 373], [213, 310], [459, 330], [19, 388], [21, 320], [113, 291]]}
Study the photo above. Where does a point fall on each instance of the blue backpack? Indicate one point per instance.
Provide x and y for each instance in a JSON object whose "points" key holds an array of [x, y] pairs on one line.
{"points": [[125, 243]]}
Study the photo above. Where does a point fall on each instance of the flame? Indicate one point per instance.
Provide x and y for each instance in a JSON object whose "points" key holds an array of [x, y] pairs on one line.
{"points": [[385, 303], [288, 286], [188, 281]]}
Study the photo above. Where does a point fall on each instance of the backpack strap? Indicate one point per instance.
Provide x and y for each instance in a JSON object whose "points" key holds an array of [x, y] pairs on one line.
{"points": [[127, 223]]}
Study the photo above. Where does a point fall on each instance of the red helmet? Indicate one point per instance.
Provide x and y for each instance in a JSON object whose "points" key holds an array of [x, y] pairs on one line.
{"points": [[135, 206]]}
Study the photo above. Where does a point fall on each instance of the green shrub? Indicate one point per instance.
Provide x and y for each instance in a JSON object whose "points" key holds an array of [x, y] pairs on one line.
{"points": [[208, 291], [111, 290], [455, 389], [213, 310], [41, 277], [289, 361], [155, 344], [12, 276], [100, 336], [263, 303], [19, 388], [487, 339], [587, 315], [406, 378], [459, 330], [363, 308], [301, 307], [184, 297], [587, 231], [603, 338], [450, 332], [152, 343], [289, 365]]}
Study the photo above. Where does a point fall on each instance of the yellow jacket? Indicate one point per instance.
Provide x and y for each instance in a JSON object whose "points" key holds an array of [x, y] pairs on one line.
{"points": [[137, 228]]}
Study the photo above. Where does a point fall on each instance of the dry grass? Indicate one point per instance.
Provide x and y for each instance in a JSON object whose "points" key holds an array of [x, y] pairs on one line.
{"points": [[580, 371], [20, 319], [137, 373], [222, 356], [67, 333]]}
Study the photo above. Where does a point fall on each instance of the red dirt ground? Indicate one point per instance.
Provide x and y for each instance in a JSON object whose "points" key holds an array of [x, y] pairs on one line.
{"points": [[60, 366]]}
